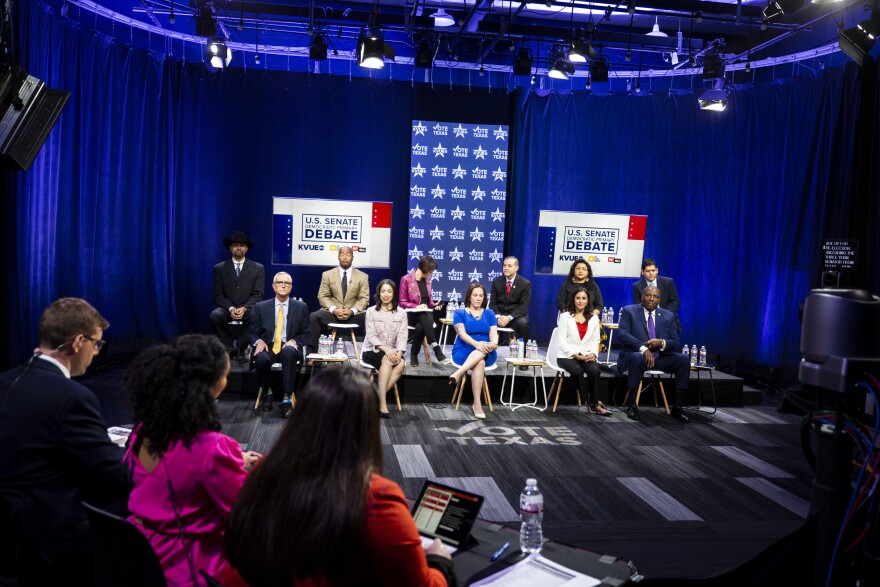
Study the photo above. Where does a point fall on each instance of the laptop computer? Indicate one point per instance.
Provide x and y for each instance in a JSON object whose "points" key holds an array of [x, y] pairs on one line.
{"points": [[446, 513]]}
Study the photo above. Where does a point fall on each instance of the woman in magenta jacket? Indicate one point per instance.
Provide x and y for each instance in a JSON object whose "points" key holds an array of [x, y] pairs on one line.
{"points": [[414, 295]]}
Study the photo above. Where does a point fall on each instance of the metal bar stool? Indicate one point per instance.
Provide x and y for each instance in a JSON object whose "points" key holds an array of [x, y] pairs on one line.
{"points": [[334, 326], [656, 382], [374, 371]]}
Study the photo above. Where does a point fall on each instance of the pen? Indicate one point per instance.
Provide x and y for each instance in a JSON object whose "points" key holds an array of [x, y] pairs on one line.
{"points": [[500, 551]]}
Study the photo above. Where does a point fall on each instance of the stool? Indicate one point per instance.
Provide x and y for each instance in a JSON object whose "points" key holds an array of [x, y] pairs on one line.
{"points": [[424, 347], [276, 367], [456, 395], [374, 371], [657, 382], [334, 326]]}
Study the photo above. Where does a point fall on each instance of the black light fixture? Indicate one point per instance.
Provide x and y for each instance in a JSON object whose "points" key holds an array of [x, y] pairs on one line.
{"points": [[599, 69], [219, 55], [561, 69], [371, 46], [714, 98], [424, 54], [522, 64], [318, 47], [855, 43], [713, 66], [206, 23]]}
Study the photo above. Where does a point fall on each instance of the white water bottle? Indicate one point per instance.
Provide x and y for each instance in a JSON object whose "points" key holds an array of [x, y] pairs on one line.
{"points": [[694, 354], [703, 355], [610, 315], [520, 349], [531, 514], [513, 350]]}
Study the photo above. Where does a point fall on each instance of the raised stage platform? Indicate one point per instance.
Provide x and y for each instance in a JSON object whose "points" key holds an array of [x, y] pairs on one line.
{"points": [[428, 383]]}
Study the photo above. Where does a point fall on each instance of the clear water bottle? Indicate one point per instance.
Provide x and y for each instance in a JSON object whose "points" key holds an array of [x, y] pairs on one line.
{"points": [[450, 310], [322, 346], [619, 313], [694, 353], [604, 317], [534, 350], [340, 347], [530, 350], [703, 355], [686, 351], [531, 513], [610, 315], [513, 350], [325, 345]]}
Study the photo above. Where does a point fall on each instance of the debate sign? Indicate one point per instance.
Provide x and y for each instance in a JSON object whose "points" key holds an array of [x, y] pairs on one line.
{"points": [[613, 244], [310, 232]]}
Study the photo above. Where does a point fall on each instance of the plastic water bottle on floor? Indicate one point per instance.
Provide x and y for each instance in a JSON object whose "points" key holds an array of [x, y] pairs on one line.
{"points": [[531, 513], [703, 355], [694, 355]]}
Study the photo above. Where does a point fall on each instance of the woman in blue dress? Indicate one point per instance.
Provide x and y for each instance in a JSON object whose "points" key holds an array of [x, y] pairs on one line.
{"points": [[475, 345]]}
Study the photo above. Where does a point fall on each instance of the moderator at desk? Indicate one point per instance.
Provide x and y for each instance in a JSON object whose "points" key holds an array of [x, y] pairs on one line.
{"points": [[475, 563]]}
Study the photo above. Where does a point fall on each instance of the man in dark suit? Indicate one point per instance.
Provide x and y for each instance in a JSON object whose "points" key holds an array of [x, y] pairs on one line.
{"points": [[279, 331], [666, 285], [343, 295], [511, 296], [56, 451], [650, 341], [238, 285]]}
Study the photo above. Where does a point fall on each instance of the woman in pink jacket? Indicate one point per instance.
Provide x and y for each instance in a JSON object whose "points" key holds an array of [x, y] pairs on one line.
{"points": [[415, 297]]}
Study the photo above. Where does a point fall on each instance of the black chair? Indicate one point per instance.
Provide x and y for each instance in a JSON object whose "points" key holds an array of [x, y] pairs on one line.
{"points": [[121, 555]]}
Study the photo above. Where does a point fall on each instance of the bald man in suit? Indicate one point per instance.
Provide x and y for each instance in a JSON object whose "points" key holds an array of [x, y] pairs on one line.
{"points": [[343, 295]]}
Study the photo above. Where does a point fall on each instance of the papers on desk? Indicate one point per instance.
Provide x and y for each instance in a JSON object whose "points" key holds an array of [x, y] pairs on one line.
{"points": [[118, 435], [537, 570]]}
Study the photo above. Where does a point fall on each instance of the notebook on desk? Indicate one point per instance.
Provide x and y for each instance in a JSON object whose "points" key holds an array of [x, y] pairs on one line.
{"points": [[446, 513]]}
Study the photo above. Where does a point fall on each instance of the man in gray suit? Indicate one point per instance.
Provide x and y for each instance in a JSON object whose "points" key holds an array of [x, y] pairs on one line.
{"points": [[343, 295], [279, 333], [666, 285], [238, 285]]}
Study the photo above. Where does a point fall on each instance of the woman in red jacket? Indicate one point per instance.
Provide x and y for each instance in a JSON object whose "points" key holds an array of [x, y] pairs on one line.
{"points": [[317, 511]]}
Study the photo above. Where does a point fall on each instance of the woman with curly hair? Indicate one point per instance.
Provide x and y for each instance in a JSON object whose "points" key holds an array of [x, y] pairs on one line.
{"points": [[318, 512], [186, 473], [580, 275]]}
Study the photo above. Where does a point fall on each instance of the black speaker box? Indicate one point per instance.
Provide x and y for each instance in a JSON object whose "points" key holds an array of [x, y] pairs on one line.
{"points": [[29, 113]]}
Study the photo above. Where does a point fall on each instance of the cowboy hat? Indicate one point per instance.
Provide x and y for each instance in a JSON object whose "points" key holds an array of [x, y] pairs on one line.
{"points": [[238, 237]]}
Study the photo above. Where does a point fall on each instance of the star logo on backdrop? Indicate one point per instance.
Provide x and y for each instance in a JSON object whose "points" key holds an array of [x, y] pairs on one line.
{"points": [[416, 212], [419, 171], [454, 296], [495, 256], [475, 275], [497, 215], [440, 150], [500, 134], [436, 275], [478, 194], [415, 253], [436, 234], [419, 128], [459, 173], [499, 175], [455, 254], [460, 131], [438, 192], [480, 152], [457, 214], [477, 235]]}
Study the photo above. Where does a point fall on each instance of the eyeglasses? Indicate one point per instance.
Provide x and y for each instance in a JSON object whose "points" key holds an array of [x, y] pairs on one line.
{"points": [[284, 283], [99, 344]]}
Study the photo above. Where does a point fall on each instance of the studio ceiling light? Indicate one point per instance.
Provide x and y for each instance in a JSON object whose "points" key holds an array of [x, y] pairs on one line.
{"points": [[599, 70], [218, 53], [425, 54], [855, 43], [713, 66], [561, 69], [656, 32], [522, 65], [372, 50], [714, 99], [442, 19], [318, 48], [580, 51]]}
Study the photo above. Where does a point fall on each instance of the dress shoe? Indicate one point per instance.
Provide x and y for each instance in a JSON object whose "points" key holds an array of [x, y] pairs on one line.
{"points": [[679, 415], [268, 403], [414, 359], [453, 380], [600, 409], [286, 408], [385, 415], [633, 414], [478, 415], [438, 352]]}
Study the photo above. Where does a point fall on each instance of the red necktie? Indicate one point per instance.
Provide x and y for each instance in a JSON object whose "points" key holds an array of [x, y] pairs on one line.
{"points": [[508, 289]]}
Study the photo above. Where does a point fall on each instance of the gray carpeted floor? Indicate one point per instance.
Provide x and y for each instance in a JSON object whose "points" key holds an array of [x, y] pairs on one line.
{"points": [[677, 500]]}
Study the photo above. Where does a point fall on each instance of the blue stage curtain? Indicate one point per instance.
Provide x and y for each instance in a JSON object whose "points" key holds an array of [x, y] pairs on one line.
{"points": [[734, 199]]}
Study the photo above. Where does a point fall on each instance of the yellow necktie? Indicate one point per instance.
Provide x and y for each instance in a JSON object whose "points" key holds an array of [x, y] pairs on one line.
{"points": [[279, 327]]}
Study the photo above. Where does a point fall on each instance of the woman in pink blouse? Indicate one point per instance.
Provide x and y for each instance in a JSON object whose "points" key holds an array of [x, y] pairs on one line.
{"points": [[186, 473], [386, 330]]}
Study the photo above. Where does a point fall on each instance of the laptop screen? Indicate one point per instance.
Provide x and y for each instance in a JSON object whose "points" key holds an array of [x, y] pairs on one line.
{"points": [[446, 513]]}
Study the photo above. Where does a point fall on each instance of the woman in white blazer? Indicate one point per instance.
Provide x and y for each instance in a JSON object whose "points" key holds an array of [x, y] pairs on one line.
{"points": [[579, 334]]}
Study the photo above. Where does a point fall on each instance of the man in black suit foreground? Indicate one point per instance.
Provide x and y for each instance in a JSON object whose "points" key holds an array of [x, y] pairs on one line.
{"points": [[280, 331], [238, 285], [56, 451], [650, 341], [511, 297], [666, 285]]}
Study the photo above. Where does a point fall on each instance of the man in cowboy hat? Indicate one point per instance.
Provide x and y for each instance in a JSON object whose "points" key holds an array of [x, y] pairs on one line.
{"points": [[238, 285]]}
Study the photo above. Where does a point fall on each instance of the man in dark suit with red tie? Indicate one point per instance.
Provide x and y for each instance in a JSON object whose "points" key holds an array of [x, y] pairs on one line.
{"points": [[511, 297], [650, 341], [279, 332], [238, 285]]}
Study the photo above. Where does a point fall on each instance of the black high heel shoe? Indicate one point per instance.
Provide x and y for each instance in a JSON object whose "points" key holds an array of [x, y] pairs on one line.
{"points": [[596, 407]]}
